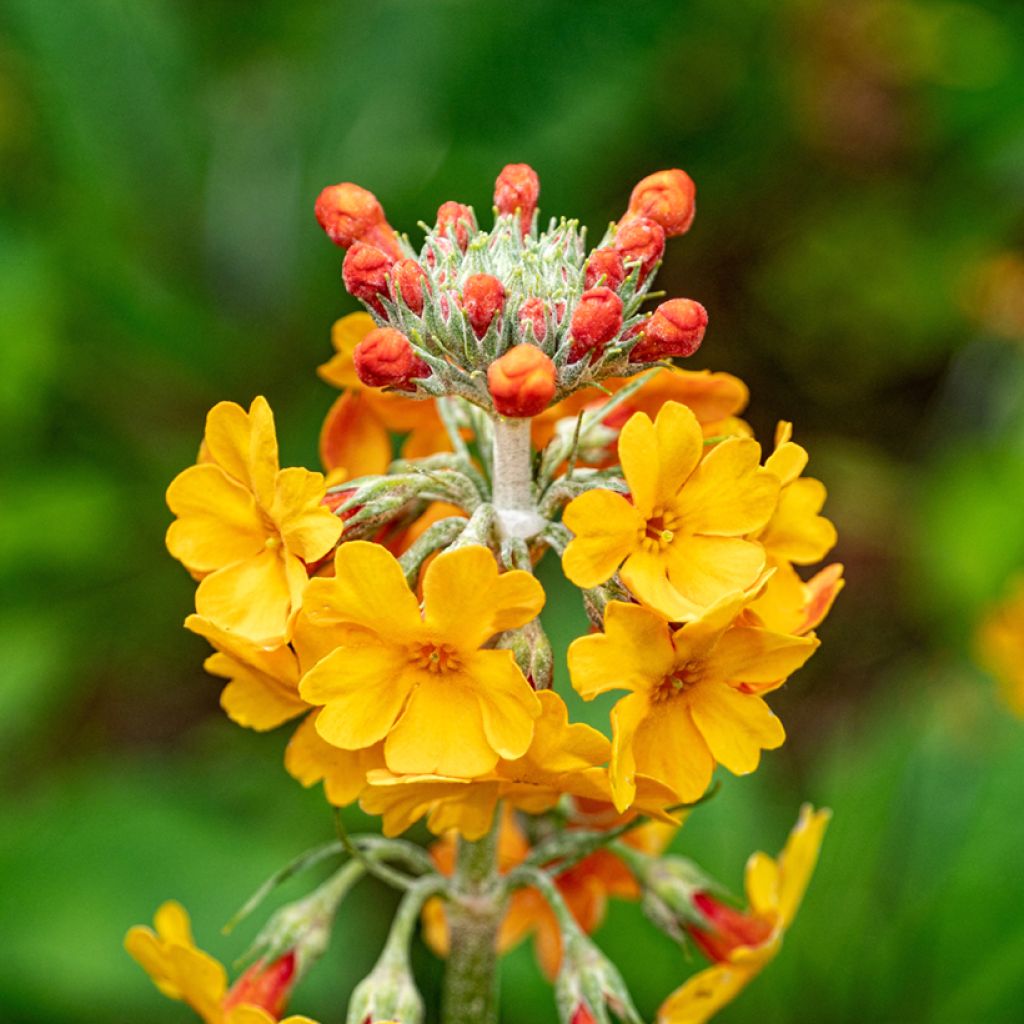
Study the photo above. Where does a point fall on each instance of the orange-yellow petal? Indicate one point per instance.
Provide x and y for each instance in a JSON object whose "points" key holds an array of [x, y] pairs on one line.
{"points": [[680, 445], [607, 529], [736, 726], [353, 438], [508, 704]]}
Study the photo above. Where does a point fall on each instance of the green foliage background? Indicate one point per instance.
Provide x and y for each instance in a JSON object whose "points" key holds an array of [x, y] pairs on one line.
{"points": [[861, 194]]}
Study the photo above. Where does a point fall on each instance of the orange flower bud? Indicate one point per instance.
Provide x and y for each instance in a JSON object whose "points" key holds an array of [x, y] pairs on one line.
{"points": [[350, 214], [640, 239], [606, 263], [408, 280], [460, 218], [668, 198], [482, 299], [727, 929], [676, 329], [385, 358], [518, 188], [522, 381], [595, 321], [365, 271], [534, 312], [582, 1015], [267, 987]]}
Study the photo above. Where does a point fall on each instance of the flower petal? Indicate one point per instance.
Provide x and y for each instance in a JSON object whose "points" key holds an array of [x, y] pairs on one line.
{"points": [[645, 573], [353, 439], [746, 655], [705, 569], [670, 749], [307, 528], [736, 726], [607, 529], [508, 704], [638, 455], [679, 450]]}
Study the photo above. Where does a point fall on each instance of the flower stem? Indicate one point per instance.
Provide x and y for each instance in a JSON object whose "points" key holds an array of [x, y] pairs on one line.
{"points": [[512, 489], [475, 908]]}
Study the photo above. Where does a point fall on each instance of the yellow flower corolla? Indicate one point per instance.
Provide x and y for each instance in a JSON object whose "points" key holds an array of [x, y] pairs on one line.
{"points": [[423, 681], [1000, 644], [681, 541], [692, 701], [182, 971], [775, 889], [563, 758], [247, 528], [263, 692], [356, 436]]}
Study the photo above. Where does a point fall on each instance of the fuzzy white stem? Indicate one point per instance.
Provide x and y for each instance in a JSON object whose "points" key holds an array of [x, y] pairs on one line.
{"points": [[512, 479]]}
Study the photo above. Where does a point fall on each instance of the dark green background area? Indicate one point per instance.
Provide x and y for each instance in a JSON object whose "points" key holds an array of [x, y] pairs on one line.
{"points": [[860, 167]]}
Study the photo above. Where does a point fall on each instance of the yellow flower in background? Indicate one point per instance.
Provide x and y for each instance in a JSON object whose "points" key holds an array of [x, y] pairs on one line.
{"points": [[247, 528], [423, 681], [563, 758], [692, 702], [1000, 646], [681, 541], [356, 436], [775, 889], [183, 972]]}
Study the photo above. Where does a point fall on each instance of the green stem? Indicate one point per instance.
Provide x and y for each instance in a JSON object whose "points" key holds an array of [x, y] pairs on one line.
{"points": [[475, 908]]}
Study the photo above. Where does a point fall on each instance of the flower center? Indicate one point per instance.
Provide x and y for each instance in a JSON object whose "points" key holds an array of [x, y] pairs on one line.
{"points": [[660, 530], [435, 657], [684, 678]]}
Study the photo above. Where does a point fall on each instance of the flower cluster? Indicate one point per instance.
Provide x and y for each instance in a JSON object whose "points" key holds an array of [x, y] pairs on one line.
{"points": [[390, 603]]}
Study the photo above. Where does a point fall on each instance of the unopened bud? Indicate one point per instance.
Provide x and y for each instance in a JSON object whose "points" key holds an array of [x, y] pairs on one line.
{"points": [[350, 214], [532, 650], [725, 929], [458, 217], [265, 986], [596, 319], [365, 271], [335, 499], [482, 299], [387, 993], [385, 358], [522, 381], [534, 312], [582, 1015], [668, 198], [589, 980], [408, 279], [517, 189], [606, 264], [676, 329], [640, 240]]}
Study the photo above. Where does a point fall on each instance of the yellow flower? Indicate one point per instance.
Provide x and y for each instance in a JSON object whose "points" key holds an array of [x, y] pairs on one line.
{"points": [[692, 701], [563, 758], [182, 971], [356, 436], [423, 681], [682, 540], [263, 693], [775, 889], [247, 528], [1000, 646]]}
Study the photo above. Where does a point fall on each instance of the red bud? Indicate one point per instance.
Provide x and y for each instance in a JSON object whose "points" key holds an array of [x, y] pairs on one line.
{"points": [[582, 1015], [595, 321], [518, 188], [364, 272], [676, 329], [385, 358], [350, 214], [408, 280], [534, 312], [668, 198], [457, 216], [640, 239], [606, 263], [727, 929], [522, 381], [265, 987], [482, 299]]}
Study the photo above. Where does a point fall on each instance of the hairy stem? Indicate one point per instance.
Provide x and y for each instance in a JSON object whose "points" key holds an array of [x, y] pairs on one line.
{"points": [[512, 479]]}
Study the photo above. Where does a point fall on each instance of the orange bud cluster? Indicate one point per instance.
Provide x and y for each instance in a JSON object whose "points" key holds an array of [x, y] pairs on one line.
{"points": [[385, 358], [666, 197], [607, 264], [365, 273], [518, 189], [459, 218], [265, 986], [351, 214], [408, 280], [482, 299], [595, 321], [640, 240], [534, 312], [522, 381], [676, 329]]}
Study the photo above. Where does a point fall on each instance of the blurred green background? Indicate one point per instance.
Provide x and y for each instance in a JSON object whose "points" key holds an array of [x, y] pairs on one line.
{"points": [[860, 247]]}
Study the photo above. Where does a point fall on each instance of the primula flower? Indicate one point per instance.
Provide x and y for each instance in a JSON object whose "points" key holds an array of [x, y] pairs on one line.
{"points": [[246, 527], [744, 944], [691, 702], [1000, 644], [421, 681], [681, 540], [182, 971]]}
